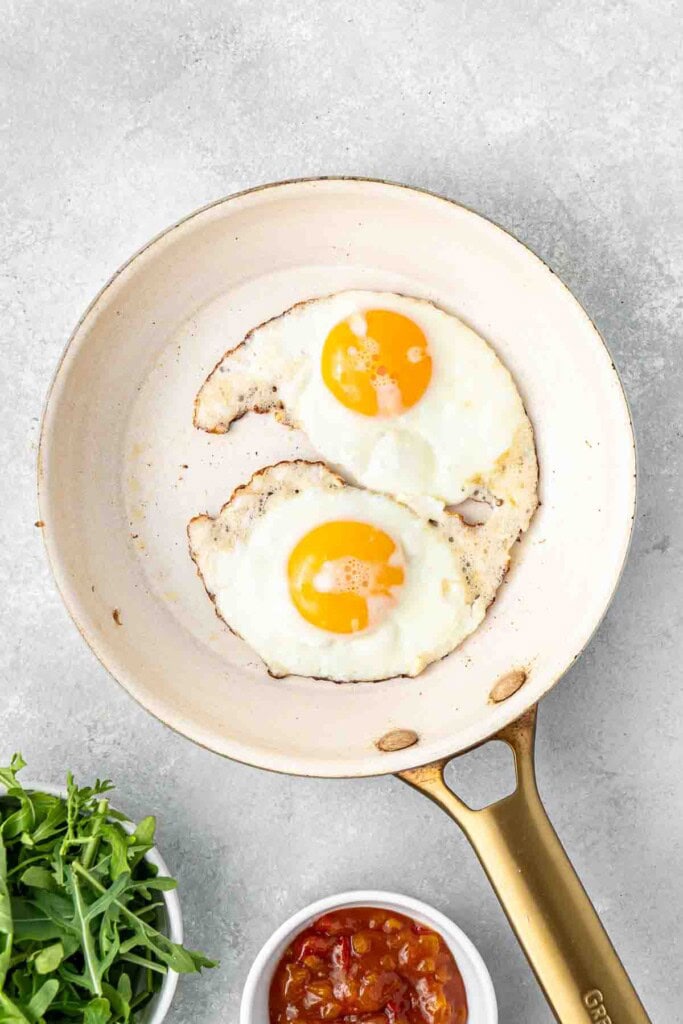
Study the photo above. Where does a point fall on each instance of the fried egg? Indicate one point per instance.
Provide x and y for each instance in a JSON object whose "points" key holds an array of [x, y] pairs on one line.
{"points": [[395, 393], [328, 580]]}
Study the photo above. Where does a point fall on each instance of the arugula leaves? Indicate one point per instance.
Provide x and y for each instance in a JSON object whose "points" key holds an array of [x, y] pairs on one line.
{"points": [[6, 921], [81, 916]]}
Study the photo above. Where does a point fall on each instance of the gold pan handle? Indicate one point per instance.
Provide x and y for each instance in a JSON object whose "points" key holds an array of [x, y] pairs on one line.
{"points": [[548, 908]]}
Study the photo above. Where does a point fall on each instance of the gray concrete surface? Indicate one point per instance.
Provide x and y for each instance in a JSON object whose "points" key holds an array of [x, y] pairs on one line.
{"points": [[559, 120]]}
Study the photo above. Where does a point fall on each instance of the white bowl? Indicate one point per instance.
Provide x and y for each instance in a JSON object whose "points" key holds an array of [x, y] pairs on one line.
{"points": [[158, 1007], [481, 998]]}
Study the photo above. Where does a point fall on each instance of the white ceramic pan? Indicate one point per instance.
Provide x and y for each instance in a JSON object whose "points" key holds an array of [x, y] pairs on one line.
{"points": [[122, 471]]}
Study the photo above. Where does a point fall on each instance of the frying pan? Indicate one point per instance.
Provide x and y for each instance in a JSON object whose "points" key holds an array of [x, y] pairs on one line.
{"points": [[122, 470]]}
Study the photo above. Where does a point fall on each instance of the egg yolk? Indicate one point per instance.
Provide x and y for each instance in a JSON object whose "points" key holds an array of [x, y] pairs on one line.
{"points": [[376, 363], [344, 575]]}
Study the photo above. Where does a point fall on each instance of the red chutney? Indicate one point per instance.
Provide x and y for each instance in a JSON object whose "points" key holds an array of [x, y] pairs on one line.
{"points": [[367, 966]]}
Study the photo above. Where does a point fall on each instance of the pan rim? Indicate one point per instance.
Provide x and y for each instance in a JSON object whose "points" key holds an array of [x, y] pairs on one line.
{"points": [[234, 750]]}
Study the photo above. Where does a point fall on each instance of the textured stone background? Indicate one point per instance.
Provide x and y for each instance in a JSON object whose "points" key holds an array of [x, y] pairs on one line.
{"points": [[559, 120]]}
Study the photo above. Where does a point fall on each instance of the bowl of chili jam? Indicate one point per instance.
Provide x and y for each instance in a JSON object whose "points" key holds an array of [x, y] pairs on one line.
{"points": [[369, 958]]}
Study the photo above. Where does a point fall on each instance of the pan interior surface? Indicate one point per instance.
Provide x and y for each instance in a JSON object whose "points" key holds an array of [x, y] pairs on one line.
{"points": [[122, 470]]}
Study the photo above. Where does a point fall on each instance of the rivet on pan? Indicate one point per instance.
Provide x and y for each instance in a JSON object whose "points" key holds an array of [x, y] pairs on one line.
{"points": [[507, 685], [397, 739]]}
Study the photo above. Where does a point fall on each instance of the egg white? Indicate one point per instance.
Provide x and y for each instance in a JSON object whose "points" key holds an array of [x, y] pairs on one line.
{"points": [[242, 558], [446, 446]]}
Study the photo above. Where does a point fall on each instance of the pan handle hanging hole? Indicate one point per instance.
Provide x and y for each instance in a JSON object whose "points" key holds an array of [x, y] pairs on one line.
{"points": [[482, 776]]}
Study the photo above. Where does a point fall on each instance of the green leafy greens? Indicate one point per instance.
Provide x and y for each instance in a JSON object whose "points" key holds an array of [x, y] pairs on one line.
{"points": [[81, 909]]}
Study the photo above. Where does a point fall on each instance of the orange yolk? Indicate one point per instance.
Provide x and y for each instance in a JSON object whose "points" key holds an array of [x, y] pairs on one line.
{"points": [[343, 575], [376, 363]]}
